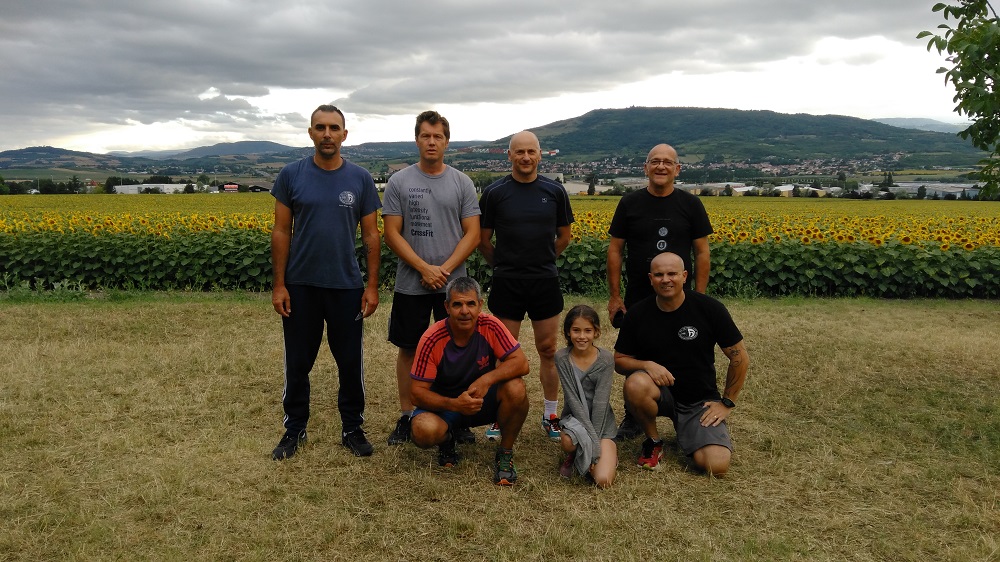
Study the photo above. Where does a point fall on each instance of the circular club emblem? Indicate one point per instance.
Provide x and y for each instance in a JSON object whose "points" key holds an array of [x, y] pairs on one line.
{"points": [[661, 245], [346, 197], [687, 333], [664, 231]]}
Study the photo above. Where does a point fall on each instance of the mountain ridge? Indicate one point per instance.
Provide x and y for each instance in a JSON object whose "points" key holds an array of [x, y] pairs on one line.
{"points": [[698, 133]]}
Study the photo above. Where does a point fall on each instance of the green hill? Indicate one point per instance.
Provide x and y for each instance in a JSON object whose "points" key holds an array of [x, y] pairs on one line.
{"points": [[742, 135]]}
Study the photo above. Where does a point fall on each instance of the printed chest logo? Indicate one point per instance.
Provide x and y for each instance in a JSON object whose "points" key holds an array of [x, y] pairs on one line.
{"points": [[687, 333], [346, 197], [661, 245], [483, 361]]}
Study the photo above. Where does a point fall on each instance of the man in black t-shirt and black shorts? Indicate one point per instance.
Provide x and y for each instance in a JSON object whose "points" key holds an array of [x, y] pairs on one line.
{"points": [[530, 216]]}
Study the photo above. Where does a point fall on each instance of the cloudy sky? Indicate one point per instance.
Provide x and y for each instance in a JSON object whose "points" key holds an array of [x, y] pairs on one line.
{"points": [[103, 75]]}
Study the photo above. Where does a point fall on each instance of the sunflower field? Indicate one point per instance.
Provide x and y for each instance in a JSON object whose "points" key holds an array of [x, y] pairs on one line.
{"points": [[761, 246]]}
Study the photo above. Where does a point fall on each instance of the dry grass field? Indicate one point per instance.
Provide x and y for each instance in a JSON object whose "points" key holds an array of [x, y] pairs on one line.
{"points": [[139, 427]]}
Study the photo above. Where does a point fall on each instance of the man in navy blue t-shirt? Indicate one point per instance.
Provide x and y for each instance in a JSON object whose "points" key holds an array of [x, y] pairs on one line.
{"points": [[529, 215], [319, 203]]}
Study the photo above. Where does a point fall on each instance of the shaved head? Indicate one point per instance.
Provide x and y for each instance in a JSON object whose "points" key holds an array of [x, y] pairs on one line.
{"points": [[662, 151], [668, 260], [524, 138]]}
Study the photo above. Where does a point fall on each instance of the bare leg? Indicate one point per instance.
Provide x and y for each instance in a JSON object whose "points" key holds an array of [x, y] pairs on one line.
{"points": [[641, 396], [566, 443], [404, 364], [604, 471], [545, 342], [713, 459], [428, 430], [512, 411]]}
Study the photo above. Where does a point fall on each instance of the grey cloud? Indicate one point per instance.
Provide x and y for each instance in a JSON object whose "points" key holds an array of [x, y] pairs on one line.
{"points": [[107, 62]]}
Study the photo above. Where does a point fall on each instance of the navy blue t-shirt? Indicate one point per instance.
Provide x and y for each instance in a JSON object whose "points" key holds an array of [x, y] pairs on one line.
{"points": [[525, 218], [327, 206]]}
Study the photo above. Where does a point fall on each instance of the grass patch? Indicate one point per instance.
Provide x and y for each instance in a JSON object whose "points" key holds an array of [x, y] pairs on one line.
{"points": [[139, 426]]}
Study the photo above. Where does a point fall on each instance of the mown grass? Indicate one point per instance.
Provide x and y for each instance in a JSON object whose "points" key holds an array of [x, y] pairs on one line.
{"points": [[139, 427]]}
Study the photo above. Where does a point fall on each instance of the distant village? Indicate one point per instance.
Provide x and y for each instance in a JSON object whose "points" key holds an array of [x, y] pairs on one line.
{"points": [[609, 176]]}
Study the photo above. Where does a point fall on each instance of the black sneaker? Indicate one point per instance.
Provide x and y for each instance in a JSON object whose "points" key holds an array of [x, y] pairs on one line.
{"points": [[506, 474], [288, 445], [401, 434], [447, 455], [357, 443], [628, 429], [464, 436]]}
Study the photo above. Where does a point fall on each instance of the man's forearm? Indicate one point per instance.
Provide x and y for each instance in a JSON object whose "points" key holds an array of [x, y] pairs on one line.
{"points": [[280, 243], [626, 364], [373, 256], [614, 267], [736, 374], [430, 400], [464, 249]]}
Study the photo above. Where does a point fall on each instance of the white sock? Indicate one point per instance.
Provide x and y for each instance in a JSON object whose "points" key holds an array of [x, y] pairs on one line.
{"points": [[550, 408]]}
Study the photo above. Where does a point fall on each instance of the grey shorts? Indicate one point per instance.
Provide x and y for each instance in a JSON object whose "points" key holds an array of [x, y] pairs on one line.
{"points": [[691, 436]]}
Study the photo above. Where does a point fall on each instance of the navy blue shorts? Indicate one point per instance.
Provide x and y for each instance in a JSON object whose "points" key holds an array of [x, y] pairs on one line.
{"points": [[486, 415]]}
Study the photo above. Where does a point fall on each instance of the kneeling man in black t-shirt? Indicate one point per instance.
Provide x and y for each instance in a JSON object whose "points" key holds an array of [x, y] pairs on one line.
{"points": [[666, 347]]}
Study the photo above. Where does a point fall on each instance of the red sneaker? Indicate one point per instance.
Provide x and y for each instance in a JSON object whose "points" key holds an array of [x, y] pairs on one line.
{"points": [[651, 454]]}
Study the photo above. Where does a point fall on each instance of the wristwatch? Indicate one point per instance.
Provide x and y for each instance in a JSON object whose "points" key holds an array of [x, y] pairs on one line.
{"points": [[727, 402]]}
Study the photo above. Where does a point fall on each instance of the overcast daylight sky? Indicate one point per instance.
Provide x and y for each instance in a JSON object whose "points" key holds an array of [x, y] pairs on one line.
{"points": [[105, 75]]}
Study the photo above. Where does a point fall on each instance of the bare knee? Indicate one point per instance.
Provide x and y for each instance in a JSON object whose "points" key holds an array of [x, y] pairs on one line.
{"points": [[603, 480], [604, 474], [604, 471], [427, 430], [513, 391], [713, 459], [546, 350], [639, 386], [566, 443]]}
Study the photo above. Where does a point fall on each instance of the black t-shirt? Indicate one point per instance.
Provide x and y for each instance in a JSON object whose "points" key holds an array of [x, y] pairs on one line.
{"points": [[683, 341], [525, 218], [651, 225]]}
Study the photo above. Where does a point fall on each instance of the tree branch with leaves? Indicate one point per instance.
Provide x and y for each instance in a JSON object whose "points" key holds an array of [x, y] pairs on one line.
{"points": [[973, 50]]}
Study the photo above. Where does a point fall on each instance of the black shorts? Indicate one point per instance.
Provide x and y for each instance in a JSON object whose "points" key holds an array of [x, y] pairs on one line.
{"points": [[410, 317], [541, 299]]}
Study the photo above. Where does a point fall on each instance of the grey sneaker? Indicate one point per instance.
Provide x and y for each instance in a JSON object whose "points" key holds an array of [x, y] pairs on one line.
{"points": [[357, 443], [288, 445]]}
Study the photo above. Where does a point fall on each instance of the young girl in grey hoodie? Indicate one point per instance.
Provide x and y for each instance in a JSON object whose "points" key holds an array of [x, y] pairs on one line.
{"points": [[588, 423]]}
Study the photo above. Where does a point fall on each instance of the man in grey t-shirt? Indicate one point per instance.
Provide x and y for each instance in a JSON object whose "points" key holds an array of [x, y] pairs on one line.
{"points": [[431, 221]]}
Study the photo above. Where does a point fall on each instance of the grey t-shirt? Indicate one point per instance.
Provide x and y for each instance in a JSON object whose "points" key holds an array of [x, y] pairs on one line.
{"points": [[432, 208]]}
